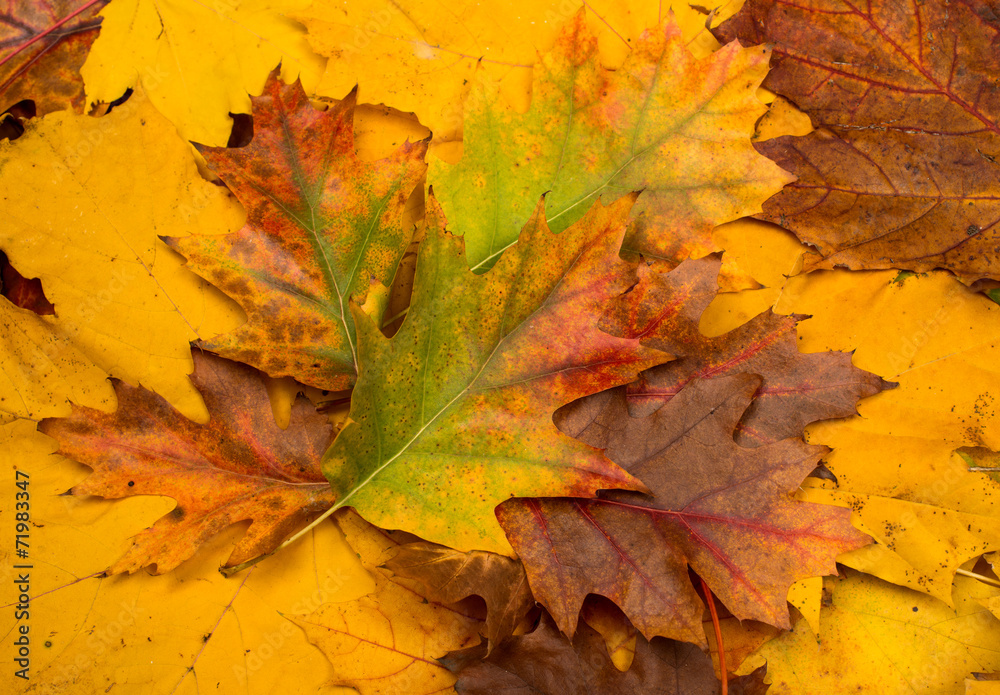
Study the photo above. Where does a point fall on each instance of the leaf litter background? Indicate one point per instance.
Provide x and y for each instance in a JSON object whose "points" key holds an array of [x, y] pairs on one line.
{"points": [[883, 89]]}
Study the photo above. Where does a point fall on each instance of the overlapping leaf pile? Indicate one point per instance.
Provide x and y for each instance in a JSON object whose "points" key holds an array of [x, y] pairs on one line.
{"points": [[550, 468]]}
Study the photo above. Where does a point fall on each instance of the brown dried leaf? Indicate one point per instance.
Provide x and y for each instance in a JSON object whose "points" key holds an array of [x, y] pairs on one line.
{"points": [[544, 662], [722, 509], [903, 168], [448, 576]]}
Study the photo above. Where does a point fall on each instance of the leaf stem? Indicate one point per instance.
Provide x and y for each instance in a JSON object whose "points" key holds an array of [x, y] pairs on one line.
{"points": [[391, 319], [710, 599], [235, 569], [979, 577]]}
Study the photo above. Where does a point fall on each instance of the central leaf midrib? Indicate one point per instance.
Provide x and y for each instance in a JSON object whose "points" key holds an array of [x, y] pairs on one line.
{"points": [[312, 233], [628, 162], [468, 388]]}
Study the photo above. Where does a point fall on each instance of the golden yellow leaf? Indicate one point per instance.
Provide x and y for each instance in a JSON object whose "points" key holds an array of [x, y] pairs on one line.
{"points": [[894, 462], [422, 55], [42, 371], [782, 119], [758, 255], [387, 641], [806, 595], [121, 296], [977, 687], [198, 61], [920, 545], [884, 639]]}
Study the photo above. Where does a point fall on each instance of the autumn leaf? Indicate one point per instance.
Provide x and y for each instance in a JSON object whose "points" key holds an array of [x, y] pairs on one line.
{"points": [[519, 377], [198, 62], [164, 633], [44, 44], [545, 662], [461, 398], [402, 54], [122, 299], [42, 370], [758, 255], [982, 684], [388, 640], [901, 171], [664, 311], [928, 513], [448, 576], [321, 226], [240, 466], [666, 124], [716, 507], [886, 639], [424, 57]]}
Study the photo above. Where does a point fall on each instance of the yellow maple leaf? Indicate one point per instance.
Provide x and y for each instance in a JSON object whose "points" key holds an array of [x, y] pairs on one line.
{"points": [[387, 641], [422, 55], [880, 638], [122, 298], [198, 61], [41, 370]]}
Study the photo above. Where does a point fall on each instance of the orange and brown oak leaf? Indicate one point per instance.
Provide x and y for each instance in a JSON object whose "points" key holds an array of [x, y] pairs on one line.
{"points": [[544, 662], [322, 225], [453, 414], [239, 467], [902, 171], [449, 576], [48, 70], [664, 310], [722, 509]]}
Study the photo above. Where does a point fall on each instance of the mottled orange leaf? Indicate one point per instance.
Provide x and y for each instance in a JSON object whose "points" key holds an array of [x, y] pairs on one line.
{"points": [[544, 662], [448, 576], [902, 170], [321, 225], [43, 44], [453, 414], [663, 310], [239, 467], [722, 509]]}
